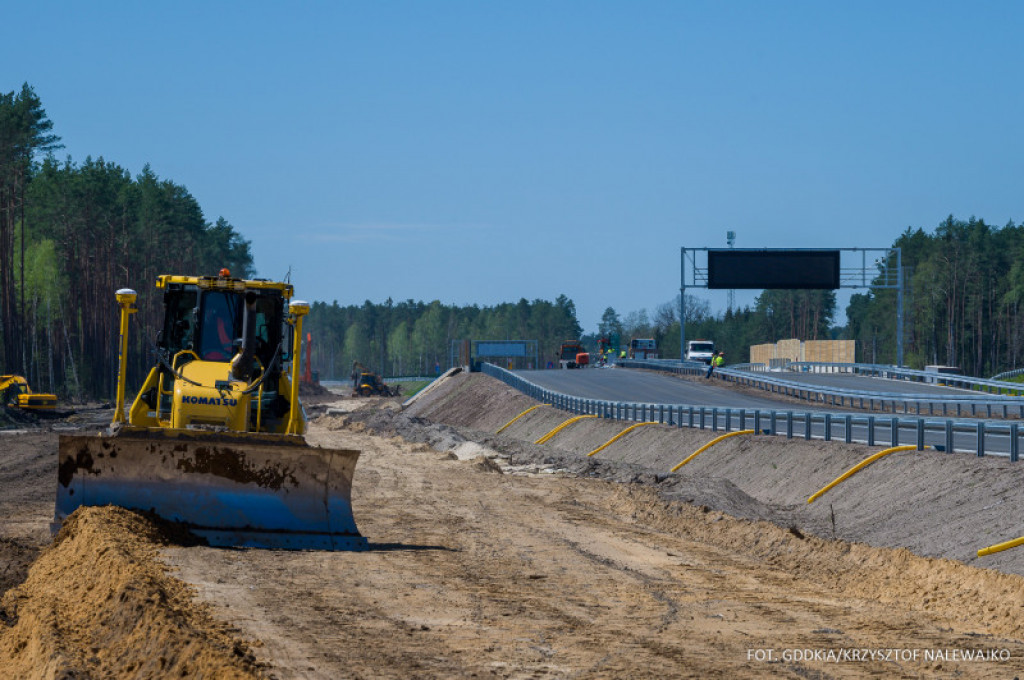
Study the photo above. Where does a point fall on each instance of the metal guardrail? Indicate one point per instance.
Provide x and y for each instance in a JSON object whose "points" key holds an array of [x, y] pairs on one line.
{"points": [[980, 437], [1008, 374], [969, 404], [987, 385]]}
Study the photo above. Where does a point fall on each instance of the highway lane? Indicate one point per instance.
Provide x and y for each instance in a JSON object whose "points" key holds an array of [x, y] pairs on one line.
{"points": [[617, 384], [863, 383]]}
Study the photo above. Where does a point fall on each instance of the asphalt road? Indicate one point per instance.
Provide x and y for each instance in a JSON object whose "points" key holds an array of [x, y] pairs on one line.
{"points": [[617, 384], [863, 383]]}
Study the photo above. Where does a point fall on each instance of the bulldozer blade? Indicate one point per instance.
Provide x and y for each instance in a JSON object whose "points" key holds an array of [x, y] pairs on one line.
{"points": [[233, 490]]}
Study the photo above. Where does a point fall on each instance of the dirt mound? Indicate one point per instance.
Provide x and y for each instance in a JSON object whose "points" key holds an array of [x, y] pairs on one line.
{"points": [[314, 390], [98, 604]]}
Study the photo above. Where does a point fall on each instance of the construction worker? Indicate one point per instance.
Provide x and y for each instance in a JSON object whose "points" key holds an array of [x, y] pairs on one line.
{"points": [[717, 359]]}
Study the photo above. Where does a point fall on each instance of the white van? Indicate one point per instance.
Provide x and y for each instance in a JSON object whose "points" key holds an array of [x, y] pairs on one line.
{"points": [[700, 350]]}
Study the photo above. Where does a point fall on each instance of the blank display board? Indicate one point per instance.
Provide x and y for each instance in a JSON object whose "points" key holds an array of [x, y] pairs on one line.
{"points": [[783, 269]]}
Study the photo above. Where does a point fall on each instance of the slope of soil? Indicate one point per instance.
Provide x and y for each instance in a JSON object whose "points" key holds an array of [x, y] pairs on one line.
{"points": [[935, 504], [98, 604]]}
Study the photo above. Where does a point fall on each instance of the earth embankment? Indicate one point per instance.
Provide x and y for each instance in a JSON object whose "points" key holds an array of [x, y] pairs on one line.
{"points": [[932, 503]]}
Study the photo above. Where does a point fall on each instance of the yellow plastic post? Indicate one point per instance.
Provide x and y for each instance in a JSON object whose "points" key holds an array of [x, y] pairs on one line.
{"points": [[298, 309], [561, 427], [1000, 547], [125, 299], [860, 466], [500, 429], [709, 445], [619, 436]]}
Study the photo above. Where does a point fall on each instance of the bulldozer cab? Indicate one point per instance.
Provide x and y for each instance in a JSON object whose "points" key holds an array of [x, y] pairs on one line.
{"points": [[241, 328], [210, 323]]}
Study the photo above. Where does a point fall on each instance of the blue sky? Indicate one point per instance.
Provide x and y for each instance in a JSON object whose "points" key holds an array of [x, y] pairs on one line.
{"points": [[481, 152]]}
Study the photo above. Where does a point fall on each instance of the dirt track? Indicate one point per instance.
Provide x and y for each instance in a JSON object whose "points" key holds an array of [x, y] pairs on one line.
{"points": [[487, 561]]}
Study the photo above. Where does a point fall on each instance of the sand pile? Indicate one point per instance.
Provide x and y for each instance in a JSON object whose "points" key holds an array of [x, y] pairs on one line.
{"points": [[98, 604]]}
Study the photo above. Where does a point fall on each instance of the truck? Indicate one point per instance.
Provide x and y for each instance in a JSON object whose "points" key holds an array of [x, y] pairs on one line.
{"points": [[643, 348], [700, 350], [569, 355]]}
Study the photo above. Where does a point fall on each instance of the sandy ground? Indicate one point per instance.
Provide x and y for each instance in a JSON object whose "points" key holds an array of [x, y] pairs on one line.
{"points": [[491, 556]]}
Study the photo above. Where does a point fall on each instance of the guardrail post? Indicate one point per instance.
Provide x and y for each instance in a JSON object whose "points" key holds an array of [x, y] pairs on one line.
{"points": [[728, 419], [1014, 444], [789, 424], [690, 415], [871, 430], [757, 422], [848, 429], [981, 438], [807, 425], [772, 419], [920, 434], [894, 432], [661, 413], [702, 417], [949, 436], [828, 427]]}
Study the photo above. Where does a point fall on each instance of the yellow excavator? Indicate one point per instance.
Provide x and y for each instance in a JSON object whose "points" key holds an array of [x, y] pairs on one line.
{"points": [[214, 438], [15, 393]]}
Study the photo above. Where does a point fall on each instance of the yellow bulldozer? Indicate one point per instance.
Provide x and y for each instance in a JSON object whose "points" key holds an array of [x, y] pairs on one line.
{"points": [[15, 393], [214, 438]]}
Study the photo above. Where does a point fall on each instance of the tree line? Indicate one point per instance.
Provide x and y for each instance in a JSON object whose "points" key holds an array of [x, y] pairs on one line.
{"points": [[963, 306], [71, 234], [416, 338], [963, 295]]}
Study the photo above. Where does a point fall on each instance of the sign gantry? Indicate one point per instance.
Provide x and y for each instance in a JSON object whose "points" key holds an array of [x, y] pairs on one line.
{"points": [[792, 269]]}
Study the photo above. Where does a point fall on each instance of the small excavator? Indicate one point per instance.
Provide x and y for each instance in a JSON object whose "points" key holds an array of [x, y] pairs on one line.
{"points": [[214, 438], [15, 393]]}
